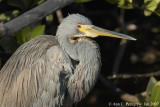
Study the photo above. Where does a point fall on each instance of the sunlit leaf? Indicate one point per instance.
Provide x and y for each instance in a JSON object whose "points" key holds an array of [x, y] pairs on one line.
{"points": [[38, 30], [126, 4], [4, 17], [22, 35], [8, 15], [150, 86], [29, 33], [82, 1], [149, 6], [155, 95], [15, 12]]}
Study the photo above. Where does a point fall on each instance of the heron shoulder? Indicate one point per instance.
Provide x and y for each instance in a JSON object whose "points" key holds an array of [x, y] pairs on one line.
{"points": [[30, 69]]}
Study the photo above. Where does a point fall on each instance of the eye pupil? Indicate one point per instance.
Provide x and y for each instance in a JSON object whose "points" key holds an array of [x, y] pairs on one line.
{"points": [[78, 26]]}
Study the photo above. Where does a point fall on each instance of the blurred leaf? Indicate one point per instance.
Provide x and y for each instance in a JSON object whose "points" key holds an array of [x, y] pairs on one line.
{"points": [[22, 35], [157, 11], [7, 16], [155, 95], [49, 18], [4, 17], [151, 83], [126, 4], [15, 12], [9, 44], [82, 1], [29, 33], [141, 99], [40, 1], [149, 6], [37, 31]]}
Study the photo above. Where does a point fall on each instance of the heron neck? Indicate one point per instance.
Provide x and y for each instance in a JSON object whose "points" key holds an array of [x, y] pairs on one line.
{"points": [[86, 72], [68, 47]]}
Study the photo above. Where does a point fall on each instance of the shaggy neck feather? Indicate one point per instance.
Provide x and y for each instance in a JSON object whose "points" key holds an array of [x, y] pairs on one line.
{"points": [[86, 72]]}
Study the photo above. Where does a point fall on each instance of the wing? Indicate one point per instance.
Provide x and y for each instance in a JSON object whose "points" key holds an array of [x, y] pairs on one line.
{"points": [[35, 75]]}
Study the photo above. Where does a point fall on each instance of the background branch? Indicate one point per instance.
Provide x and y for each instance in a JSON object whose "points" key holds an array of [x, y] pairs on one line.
{"points": [[31, 16], [59, 15], [122, 45]]}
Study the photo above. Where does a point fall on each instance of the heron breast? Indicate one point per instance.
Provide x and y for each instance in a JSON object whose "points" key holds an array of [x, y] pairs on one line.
{"points": [[59, 58]]}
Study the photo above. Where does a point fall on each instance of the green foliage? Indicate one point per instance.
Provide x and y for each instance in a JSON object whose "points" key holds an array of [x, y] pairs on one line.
{"points": [[150, 86], [8, 15], [152, 97], [28, 33], [22, 35], [126, 4], [21, 5], [155, 95], [149, 6], [38, 30], [141, 99], [24, 5], [82, 1], [49, 18], [9, 44]]}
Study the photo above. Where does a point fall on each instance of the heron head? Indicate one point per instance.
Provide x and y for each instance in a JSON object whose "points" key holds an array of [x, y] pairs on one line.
{"points": [[77, 26], [68, 26]]}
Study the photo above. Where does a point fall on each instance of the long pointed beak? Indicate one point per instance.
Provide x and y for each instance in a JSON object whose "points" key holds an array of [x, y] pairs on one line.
{"points": [[94, 31]]}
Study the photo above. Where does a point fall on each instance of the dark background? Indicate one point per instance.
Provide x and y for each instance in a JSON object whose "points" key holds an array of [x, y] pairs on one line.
{"points": [[140, 57]]}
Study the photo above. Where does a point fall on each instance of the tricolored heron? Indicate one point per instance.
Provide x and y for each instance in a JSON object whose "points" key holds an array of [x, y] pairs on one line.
{"points": [[51, 71]]}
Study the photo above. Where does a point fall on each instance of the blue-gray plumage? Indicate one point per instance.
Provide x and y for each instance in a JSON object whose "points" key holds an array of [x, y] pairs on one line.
{"points": [[53, 71]]}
